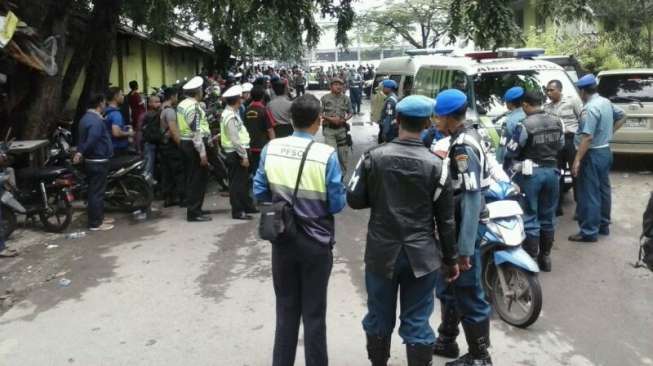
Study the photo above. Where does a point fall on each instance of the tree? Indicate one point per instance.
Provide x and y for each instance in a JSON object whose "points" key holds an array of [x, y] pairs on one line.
{"points": [[422, 23], [488, 23]]}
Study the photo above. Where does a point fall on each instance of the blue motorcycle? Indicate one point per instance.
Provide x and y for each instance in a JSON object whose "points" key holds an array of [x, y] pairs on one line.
{"points": [[509, 274]]}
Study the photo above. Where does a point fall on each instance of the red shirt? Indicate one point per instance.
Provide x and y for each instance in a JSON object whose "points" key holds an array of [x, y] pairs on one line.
{"points": [[137, 107]]}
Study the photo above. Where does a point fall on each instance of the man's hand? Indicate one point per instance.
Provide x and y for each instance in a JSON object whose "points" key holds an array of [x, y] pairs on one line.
{"points": [[244, 163], [204, 161], [451, 273], [77, 158], [575, 169], [464, 263]]}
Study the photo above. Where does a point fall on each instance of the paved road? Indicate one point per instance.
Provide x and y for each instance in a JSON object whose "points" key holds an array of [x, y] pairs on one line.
{"points": [[167, 292]]}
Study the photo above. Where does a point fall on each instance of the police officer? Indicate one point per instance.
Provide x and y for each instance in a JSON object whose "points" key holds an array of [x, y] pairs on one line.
{"points": [[464, 300], [336, 111], [408, 190], [599, 120], [355, 82], [389, 114], [194, 129], [537, 142], [301, 267], [235, 140], [514, 117]]}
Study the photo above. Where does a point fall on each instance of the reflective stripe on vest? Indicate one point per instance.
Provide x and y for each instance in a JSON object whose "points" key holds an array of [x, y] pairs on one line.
{"points": [[282, 166], [227, 115], [187, 108]]}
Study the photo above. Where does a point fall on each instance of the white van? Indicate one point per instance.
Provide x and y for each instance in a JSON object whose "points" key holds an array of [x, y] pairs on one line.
{"points": [[485, 78], [400, 69]]}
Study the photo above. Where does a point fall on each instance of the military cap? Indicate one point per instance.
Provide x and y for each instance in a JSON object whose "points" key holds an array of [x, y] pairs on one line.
{"points": [[390, 84], [247, 87], [417, 106], [449, 101], [514, 94], [586, 81]]}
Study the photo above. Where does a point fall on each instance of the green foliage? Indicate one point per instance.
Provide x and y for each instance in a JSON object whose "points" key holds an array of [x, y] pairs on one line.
{"points": [[422, 23], [489, 23], [595, 52]]}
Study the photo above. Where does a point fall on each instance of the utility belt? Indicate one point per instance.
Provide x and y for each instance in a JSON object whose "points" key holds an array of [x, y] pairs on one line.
{"points": [[527, 166]]}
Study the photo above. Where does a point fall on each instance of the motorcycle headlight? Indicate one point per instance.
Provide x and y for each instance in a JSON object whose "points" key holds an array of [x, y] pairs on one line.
{"points": [[54, 152]]}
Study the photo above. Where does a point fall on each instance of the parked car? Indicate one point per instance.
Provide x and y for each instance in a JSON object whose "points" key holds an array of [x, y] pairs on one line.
{"points": [[632, 90]]}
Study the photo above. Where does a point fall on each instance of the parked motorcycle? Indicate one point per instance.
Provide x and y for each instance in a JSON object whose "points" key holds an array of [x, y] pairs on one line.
{"points": [[46, 192], [509, 274], [127, 187]]}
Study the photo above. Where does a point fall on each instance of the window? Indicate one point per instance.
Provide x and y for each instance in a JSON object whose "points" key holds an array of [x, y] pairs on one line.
{"points": [[627, 88], [408, 86], [425, 82]]}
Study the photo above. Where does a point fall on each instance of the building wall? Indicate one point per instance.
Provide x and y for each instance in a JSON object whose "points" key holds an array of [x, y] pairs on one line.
{"points": [[150, 64]]}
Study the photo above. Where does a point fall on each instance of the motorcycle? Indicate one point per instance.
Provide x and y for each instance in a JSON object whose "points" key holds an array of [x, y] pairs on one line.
{"points": [[509, 274], [127, 187], [46, 192]]}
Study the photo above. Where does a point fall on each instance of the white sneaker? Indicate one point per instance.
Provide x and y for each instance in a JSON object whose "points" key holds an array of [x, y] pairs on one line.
{"points": [[108, 220], [103, 227]]}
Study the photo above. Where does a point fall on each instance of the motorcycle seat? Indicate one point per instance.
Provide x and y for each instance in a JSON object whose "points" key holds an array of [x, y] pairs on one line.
{"points": [[27, 174], [123, 161]]}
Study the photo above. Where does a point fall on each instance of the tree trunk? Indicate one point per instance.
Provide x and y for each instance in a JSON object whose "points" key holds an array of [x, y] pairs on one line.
{"points": [[79, 59], [41, 108], [103, 40], [222, 55]]}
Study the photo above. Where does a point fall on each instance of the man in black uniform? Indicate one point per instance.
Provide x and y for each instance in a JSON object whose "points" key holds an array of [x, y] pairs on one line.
{"points": [[409, 192]]}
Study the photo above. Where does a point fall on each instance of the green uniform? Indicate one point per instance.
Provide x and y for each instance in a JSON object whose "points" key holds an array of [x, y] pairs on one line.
{"points": [[336, 137]]}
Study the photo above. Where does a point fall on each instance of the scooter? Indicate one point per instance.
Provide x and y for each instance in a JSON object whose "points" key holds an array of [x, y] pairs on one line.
{"points": [[509, 274]]}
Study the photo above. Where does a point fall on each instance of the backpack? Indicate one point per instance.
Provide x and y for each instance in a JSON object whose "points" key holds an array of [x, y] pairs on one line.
{"points": [[152, 132], [646, 248]]}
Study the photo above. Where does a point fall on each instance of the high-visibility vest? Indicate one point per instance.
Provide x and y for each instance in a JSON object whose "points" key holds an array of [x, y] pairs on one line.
{"points": [[227, 115], [282, 162], [187, 110]]}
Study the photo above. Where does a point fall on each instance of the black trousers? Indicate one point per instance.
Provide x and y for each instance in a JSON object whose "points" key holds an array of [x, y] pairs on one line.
{"points": [[301, 89], [567, 156], [283, 130], [300, 272], [173, 180], [197, 178], [239, 186], [96, 177]]}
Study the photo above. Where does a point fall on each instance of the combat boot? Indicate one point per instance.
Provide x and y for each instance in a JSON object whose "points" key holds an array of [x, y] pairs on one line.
{"points": [[546, 243], [378, 350], [419, 354], [478, 339], [532, 246], [446, 345]]}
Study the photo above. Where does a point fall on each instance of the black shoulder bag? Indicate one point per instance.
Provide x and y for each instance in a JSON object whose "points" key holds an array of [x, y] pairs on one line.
{"points": [[278, 219]]}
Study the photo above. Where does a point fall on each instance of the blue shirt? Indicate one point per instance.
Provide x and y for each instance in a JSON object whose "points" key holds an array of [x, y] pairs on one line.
{"points": [[114, 118], [468, 173], [513, 119], [597, 120], [336, 195], [94, 139]]}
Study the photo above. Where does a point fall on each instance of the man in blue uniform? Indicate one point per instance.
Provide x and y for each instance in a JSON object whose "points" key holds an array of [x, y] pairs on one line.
{"points": [[515, 116], [389, 113], [599, 120], [413, 197], [464, 300], [537, 142]]}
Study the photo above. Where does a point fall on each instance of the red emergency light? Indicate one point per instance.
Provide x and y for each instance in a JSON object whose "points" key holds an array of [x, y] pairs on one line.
{"points": [[482, 55]]}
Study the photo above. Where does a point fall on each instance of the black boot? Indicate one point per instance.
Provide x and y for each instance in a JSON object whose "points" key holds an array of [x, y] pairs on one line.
{"points": [[378, 350], [532, 246], [478, 339], [419, 354], [446, 345], [546, 243]]}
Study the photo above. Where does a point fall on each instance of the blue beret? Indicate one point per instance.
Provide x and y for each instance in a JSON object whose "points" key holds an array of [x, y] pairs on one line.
{"points": [[513, 94], [275, 78], [586, 81], [449, 101], [416, 106], [391, 84]]}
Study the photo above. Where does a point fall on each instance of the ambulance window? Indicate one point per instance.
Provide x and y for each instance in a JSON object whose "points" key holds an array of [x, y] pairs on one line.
{"points": [[424, 82], [396, 78], [408, 86]]}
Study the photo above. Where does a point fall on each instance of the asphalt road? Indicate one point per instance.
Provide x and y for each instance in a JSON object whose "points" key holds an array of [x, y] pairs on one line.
{"points": [[167, 292]]}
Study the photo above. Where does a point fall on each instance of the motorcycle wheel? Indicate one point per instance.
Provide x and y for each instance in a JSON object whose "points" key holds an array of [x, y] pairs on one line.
{"points": [[58, 216], [130, 193], [523, 305], [8, 222]]}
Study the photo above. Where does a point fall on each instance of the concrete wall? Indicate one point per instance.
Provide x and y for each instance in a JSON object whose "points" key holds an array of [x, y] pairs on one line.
{"points": [[150, 64]]}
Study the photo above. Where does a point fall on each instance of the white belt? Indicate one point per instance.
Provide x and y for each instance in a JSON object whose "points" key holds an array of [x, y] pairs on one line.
{"points": [[599, 147]]}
